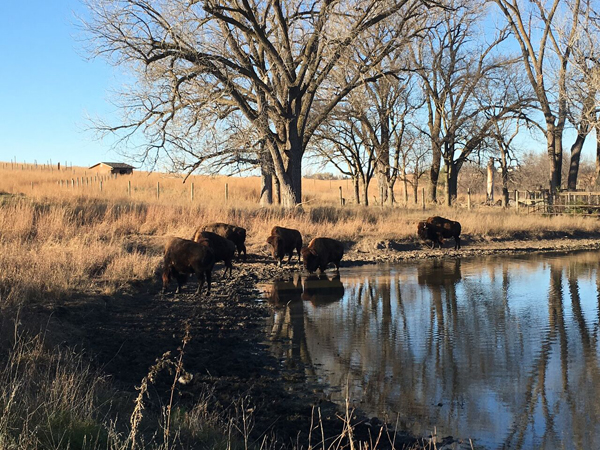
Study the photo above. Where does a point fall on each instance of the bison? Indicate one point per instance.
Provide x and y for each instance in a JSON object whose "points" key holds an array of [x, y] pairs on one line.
{"points": [[283, 242], [320, 252], [224, 249], [183, 257], [436, 228], [235, 234]]}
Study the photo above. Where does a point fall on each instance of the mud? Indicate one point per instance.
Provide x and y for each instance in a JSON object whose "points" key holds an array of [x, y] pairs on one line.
{"points": [[227, 355]]}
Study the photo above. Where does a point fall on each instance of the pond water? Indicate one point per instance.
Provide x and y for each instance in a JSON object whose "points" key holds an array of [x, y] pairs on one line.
{"points": [[502, 350]]}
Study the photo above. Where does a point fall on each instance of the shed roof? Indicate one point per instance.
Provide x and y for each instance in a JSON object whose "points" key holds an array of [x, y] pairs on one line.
{"points": [[114, 165]]}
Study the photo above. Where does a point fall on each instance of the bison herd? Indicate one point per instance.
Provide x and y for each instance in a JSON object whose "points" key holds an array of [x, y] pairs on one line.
{"points": [[219, 242]]}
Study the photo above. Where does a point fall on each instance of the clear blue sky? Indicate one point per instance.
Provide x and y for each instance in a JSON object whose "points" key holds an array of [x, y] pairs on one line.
{"points": [[48, 88]]}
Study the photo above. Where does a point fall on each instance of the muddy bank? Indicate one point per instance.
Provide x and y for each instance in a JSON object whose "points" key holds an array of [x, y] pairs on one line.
{"points": [[228, 356]]}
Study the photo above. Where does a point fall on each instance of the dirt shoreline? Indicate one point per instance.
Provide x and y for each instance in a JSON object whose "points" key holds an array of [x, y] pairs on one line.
{"points": [[228, 354]]}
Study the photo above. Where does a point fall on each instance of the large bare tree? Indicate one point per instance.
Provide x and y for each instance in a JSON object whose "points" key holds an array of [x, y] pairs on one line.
{"points": [[467, 87], [268, 62], [537, 26]]}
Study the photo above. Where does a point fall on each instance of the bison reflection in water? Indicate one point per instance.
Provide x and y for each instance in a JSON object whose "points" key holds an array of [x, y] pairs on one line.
{"points": [[284, 291], [321, 290]]}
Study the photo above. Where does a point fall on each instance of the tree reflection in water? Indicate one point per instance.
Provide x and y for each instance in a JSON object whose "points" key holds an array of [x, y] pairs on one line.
{"points": [[502, 350]]}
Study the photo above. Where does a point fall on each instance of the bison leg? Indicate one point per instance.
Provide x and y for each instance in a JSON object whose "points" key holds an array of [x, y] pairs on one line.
{"points": [[166, 278], [241, 248], [456, 242], [200, 276], [208, 280], [229, 266]]}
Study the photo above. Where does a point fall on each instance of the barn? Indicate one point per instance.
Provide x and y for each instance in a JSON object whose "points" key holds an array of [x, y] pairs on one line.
{"points": [[112, 168]]}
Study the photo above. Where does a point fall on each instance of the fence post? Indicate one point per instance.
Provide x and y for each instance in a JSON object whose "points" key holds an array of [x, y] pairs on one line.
{"points": [[226, 192], [469, 199], [341, 197], [129, 188], [158, 189], [100, 185], [517, 200], [423, 197], [192, 192]]}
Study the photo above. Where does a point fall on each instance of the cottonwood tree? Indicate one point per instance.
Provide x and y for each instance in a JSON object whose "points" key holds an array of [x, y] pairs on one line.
{"points": [[412, 160], [344, 143], [456, 65], [537, 27], [583, 86], [268, 62]]}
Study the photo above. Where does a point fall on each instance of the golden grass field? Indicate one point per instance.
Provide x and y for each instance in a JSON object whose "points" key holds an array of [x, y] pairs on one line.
{"points": [[58, 239]]}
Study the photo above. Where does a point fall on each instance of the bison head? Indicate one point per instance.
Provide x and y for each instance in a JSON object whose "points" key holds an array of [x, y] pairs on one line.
{"points": [[422, 229], [310, 259], [277, 249]]}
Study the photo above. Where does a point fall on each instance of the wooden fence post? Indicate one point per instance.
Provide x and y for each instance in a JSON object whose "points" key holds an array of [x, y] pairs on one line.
{"points": [[341, 197], [469, 199], [226, 192], [100, 185], [192, 192], [423, 197], [129, 188], [517, 200], [158, 189]]}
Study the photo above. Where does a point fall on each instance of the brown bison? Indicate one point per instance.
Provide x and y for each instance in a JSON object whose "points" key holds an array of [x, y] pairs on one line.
{"points": [[436, 229], [183, 257], [224, 249], [283, 242], [237, 235], [320, 252]]}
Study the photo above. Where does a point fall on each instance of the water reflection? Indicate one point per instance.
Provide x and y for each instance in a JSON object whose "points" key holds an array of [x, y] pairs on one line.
{"points": [[504, 351]]}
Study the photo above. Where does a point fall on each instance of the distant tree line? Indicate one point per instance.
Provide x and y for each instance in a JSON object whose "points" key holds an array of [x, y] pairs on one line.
{"points": [[401, 91]]}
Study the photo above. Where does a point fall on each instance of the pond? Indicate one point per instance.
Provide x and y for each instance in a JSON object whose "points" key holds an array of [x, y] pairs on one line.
{"points": [[502, 350]]}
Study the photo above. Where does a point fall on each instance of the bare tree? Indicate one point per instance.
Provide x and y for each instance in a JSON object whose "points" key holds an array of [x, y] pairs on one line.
{"points": [[536, 25], [455, 68], [582, 86], [343, 142], [270, 63]]}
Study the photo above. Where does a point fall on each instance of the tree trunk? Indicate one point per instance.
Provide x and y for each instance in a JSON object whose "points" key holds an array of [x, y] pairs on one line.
{"points": [[266, 189], [575, 157], [451, 182], [266, 180], [416, 188], [276, 190], [597, 181], [366, 192], [356, 183], [390, 194], [288, 169], [434, 172], [554, 141]]}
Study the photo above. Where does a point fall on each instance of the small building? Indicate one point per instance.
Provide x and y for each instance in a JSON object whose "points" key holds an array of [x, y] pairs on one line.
{"points": [[112, 168]]}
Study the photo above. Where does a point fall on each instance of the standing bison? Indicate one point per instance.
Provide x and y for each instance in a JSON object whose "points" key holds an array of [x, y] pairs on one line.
{"points": [[283, 242], [183, 257], [235, 234], [224, 249], [436, 228], [320, 252]]}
